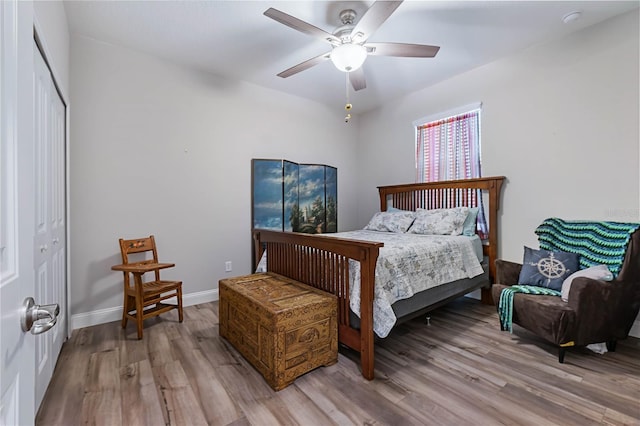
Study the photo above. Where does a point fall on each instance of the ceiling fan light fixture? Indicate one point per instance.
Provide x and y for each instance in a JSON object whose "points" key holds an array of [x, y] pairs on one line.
{"points": [[348, 57]]}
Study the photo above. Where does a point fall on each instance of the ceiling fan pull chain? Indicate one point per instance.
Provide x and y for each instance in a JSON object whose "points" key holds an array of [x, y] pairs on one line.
{"points": [[348, 105]]}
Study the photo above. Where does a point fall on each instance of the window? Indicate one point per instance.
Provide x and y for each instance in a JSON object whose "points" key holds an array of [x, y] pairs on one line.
{"points": [[448, 148]]}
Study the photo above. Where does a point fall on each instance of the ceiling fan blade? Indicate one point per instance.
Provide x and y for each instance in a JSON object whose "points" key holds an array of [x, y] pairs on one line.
{"points": [[357, 79], [304, 65], [299, 25], [402, 50], [372, 19]]}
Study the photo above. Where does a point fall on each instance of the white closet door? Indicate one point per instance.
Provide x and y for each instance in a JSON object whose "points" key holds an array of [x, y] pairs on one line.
{"points": [[58, 222], [50, 218]]}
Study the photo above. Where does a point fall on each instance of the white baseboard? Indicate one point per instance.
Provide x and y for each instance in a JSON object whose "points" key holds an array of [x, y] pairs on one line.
{"points": [[101, 316]]}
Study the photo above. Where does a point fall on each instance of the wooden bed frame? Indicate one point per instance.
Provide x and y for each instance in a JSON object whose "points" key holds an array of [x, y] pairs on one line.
{"points": [[323, 262]]}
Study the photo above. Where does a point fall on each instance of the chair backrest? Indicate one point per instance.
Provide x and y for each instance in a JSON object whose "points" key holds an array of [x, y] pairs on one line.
{"points": [[139, 246], [630, 270], [597, 243]]}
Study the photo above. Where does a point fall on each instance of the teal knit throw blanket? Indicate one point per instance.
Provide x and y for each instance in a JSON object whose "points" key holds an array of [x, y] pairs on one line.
{"points": [[505, 306], [597, 243]]}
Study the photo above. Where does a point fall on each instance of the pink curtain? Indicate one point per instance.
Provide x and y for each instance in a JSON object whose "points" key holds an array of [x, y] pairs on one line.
{"points": [[449, 149]]}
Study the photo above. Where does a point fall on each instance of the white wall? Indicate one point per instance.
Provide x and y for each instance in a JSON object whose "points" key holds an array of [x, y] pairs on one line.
{"points": [[559, 120], [160, 149]]}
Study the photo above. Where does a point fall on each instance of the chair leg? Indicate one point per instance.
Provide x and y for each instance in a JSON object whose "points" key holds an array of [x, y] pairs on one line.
{"points": [[125, 307], [139, 325], [139, 316], [179, 293], [561, 352], [611, 345]]}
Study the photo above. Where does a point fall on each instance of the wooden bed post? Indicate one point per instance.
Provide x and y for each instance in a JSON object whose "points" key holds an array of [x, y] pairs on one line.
{"points": [[495, 186], [367, 292]]}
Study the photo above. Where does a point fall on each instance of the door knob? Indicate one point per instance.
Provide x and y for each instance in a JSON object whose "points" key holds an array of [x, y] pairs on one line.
{"points": [[38, 318]]}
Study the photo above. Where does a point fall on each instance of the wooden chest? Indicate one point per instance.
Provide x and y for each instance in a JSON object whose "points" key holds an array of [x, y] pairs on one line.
{"points": [[282, 327]]}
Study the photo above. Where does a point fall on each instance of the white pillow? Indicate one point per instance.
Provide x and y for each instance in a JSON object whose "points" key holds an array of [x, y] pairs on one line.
{"points": [[598, 272], [439, 221], [396, 221]]}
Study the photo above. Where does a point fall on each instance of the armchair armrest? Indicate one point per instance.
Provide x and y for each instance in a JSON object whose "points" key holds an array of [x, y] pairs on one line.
{"points": [[607, 308], [507, 273]]}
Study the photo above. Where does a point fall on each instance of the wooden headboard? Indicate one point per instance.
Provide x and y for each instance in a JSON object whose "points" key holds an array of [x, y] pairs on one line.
{"points": [[448, 194]]}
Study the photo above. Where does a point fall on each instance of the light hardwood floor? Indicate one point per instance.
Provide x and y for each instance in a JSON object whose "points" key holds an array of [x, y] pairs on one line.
{"points": [[460, 370]]}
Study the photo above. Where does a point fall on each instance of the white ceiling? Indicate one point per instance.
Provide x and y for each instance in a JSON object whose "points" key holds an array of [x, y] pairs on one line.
{"points": [[235, 40]]}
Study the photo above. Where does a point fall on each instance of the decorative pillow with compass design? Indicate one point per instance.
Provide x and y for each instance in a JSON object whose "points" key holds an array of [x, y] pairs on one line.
{"points": [[548, 269]]}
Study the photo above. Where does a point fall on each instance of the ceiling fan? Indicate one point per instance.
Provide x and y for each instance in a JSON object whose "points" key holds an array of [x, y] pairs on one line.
{"points": [[349, 41]]}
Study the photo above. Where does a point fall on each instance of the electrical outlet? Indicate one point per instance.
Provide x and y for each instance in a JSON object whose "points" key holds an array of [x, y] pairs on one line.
{"points": [[227, 266]]}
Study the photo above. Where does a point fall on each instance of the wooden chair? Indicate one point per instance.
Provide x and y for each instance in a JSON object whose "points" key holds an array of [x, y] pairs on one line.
{"points": [[143, 294]]}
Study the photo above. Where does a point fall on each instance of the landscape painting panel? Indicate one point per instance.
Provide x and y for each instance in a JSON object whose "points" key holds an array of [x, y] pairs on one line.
{"points": [[267, 194], [331, 193], [292, 213], [311, 196]]}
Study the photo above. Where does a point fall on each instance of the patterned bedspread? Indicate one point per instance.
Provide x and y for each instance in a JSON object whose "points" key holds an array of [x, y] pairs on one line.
{"points": [[407, 264]]}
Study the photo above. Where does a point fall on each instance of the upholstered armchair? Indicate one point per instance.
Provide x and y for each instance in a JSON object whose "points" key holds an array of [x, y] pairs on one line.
{"points": [[596, 311]]}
